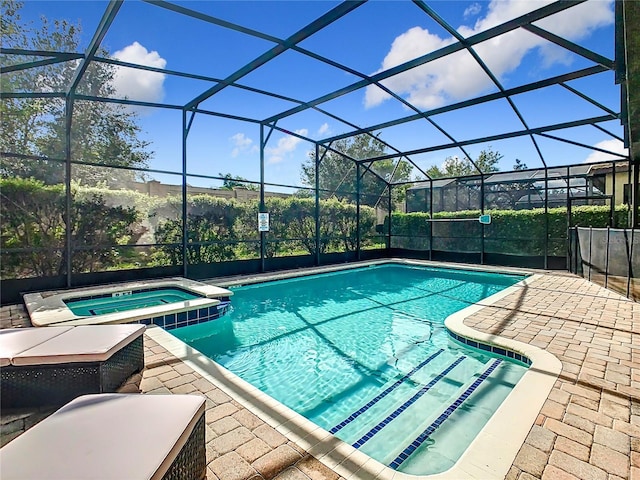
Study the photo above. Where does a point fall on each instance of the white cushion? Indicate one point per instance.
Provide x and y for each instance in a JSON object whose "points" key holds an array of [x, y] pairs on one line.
{"points": [[16, 340], [91, 343], [106, 436]]}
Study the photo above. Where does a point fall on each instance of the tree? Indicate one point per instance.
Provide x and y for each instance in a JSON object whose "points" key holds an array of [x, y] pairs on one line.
{"points": [[35, 128], [486, 162], [338, 172], [230, 182], [519, 165]]}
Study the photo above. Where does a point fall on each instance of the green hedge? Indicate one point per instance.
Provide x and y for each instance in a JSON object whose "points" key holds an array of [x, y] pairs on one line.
{"points": [[33, 217], [515, 232], [229, 229], [103, 221]]}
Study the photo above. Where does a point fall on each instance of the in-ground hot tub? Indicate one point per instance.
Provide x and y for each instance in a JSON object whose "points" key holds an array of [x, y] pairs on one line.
{"points": [[128, 300], [171, 303]]}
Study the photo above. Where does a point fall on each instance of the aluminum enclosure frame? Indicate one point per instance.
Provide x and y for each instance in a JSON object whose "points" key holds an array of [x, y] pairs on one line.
{"points": [[267, 126]]}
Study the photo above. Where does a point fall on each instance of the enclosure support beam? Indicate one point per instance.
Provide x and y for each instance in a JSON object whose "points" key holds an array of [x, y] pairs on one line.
{"points": [[558, 80], [630, 26], [568, 218], [573, 47], [185, 231], [503, 136], [67, 186], [389, 216], [262, 208], [546, 217], [612, 220], [483, 36], [482, 225], [630, 262], [107, 19], [317, 203], [328, 18], [431, 217], [358, 188], [36, 64]]}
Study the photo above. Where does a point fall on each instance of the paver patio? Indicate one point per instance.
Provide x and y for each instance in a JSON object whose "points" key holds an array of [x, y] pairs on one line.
{"points": [[589, 427]]}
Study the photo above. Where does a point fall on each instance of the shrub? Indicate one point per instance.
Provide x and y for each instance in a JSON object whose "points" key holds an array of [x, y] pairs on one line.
{"points": [[33, 224], [224, 226], [210, 232], [515, 232]]}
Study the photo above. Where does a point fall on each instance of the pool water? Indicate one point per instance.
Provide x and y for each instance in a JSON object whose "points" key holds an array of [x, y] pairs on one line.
{"points": [[364, 354], [122, 301]]}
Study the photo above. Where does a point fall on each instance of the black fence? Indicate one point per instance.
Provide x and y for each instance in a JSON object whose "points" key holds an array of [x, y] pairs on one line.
{"points": [[607, 256]]}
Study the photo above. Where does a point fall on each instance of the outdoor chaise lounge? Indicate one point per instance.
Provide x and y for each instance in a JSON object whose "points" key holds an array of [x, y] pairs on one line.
{"points": [[52, 365], [113, 437]]}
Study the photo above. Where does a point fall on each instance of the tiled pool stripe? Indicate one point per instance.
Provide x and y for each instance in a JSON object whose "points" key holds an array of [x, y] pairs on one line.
{"points": [[386, 392], [370, 434], [443, 417], [491, 348], [191, 317]]}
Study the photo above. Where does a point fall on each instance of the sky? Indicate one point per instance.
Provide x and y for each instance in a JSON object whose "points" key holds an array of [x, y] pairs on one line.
{"points": [[372, 38]]}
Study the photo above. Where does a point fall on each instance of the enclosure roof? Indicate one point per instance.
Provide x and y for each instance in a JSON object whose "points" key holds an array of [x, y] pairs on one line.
{"points": [[428, 78]]}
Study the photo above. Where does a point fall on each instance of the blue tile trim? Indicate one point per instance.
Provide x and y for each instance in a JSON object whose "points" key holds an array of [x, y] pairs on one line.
{"points": [[413, 446], [189, 317], [386, 392], [491, 348], [369, 435]]}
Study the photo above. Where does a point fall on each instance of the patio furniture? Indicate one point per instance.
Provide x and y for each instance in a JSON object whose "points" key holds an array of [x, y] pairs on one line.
{"points": [[113, 437], [50, 366]]}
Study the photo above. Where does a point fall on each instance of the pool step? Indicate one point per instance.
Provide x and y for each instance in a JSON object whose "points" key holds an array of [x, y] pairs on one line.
{"points": [[416, 437], [461, 423], [387, 435], [390, 388], [421, 397], [431, 386], [351, 427], [451, 406]]}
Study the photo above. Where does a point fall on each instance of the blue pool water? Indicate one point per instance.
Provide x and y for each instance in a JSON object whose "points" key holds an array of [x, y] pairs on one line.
{"points": [[364, 354], [128, 300]]}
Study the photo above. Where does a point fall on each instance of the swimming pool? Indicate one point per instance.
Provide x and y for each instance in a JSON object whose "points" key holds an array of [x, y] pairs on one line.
{"points": [[364, 354]]}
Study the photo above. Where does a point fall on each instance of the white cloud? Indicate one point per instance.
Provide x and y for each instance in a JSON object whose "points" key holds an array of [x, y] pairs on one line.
{"points": [[242, 144], [612, 145], [136, 84], [459, 76], [285, 145], [422, 81], [472, 10], [324, 128]]}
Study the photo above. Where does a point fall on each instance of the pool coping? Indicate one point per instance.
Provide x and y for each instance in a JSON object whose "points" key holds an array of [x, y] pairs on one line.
{"points": [[48, 308], [490, 454]]}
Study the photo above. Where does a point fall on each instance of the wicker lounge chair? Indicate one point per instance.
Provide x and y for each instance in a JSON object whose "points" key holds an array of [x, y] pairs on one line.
{"points": [[113, 437], [50, 366]]}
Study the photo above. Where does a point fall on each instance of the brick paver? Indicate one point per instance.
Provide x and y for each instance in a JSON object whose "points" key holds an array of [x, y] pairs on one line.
{"points": [[239, 444], [596, 335], [589, 427]]}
